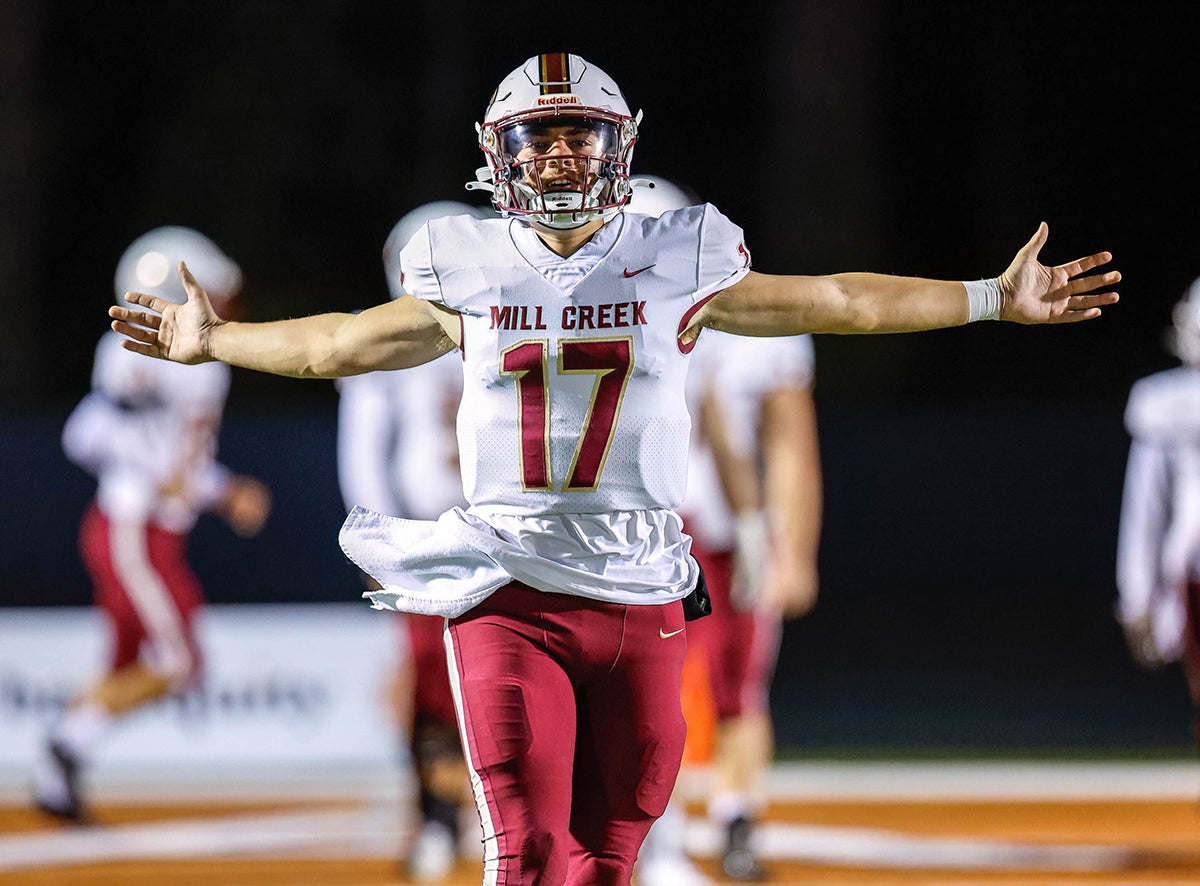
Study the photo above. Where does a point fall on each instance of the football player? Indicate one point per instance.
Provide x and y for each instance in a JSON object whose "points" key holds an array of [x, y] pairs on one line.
{"points": [[398, 455], [148, 432], [753, 511], [566, 581], [1158, 550]]}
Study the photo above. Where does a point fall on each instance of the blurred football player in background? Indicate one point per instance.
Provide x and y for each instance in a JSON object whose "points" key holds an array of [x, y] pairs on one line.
{"points": [[753, 509], [148, 432], [1158, 550], [398, 455]]}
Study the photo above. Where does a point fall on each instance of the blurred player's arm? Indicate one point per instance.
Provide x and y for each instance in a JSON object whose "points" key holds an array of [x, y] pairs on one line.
{"points": [[242, 501], [367, 431], [398, 334], [793, 495], [91, 433], [1030, 292], [740, 481], [1145, 504], [735, 469]]}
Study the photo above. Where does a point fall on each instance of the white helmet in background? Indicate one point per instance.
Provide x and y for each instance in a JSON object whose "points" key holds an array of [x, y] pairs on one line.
{"points": [[654, 195], [151, 263], [558, 137], [409, 224], [1183, 339]]}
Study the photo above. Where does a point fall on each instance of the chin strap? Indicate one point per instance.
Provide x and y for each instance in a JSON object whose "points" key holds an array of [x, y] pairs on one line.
{"points": [[483, 180]]}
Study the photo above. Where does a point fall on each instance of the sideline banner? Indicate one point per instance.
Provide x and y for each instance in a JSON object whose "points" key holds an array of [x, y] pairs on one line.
{"points": [[284, 684]]}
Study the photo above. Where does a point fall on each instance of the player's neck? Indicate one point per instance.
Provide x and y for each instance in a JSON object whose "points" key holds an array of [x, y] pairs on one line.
{"points": [[565, 243]]}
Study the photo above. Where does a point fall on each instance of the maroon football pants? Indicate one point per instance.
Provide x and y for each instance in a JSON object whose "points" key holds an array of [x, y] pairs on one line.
{"points": [[1191, 657], [740, 648], [145, 586], [573, 731], [432, 701]]}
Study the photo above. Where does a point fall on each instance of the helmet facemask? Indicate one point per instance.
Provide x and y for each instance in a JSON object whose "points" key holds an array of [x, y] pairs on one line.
{"points": [[558, 137], [559, 169]]}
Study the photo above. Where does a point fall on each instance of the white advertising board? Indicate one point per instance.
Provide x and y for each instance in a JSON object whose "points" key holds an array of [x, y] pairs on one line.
{"points": [[284, 684]]}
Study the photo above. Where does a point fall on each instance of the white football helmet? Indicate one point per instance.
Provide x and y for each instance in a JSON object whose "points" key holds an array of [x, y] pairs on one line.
{"points": [[654, 195], [151, 263], [1183, 339], [558, 137], [409, 224]]}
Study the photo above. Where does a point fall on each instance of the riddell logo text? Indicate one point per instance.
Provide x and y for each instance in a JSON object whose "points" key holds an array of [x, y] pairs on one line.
{"points": [[557, 100]]}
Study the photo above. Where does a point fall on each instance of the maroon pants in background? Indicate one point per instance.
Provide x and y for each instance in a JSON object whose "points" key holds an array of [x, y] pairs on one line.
{"points": [[432, 699], [144, 584], [740, 648], [1191, 657], [571, 719]]}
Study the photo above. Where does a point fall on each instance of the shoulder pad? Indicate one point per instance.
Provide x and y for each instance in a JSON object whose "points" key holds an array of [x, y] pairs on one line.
{"points": [[1165, 405]]}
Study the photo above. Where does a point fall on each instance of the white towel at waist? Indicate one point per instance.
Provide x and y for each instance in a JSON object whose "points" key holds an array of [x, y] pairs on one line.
{"points": [[447, 566]]}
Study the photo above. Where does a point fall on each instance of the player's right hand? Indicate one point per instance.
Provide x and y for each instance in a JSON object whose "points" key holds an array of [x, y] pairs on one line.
{"points": [[1032, 292], [1139, 637], [166, 330]]}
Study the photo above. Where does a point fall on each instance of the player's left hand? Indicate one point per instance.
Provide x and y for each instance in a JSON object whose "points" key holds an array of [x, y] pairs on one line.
{"points": [[1035, 293], [246, 506], [167, 330], [791, 588]]}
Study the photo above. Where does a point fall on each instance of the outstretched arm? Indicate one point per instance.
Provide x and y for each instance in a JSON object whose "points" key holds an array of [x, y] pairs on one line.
{"points": [[1029, 292], [401, 333]]}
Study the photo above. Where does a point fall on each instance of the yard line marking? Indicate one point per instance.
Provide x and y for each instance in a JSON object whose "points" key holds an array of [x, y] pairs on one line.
{"points": [[375, 832], [881, 848], [366, 832]]}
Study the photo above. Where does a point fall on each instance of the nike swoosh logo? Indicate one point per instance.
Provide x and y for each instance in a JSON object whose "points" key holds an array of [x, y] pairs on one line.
{"points": [[629, 273], [667, 636]]}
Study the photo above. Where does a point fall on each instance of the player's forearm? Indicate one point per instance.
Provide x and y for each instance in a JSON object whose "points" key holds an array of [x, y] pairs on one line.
{"points": [[880, 303], [736, 471], [792, 474], [840, 303], [301, 348]]}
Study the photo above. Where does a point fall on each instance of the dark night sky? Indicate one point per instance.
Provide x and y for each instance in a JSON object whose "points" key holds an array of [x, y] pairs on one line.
{"points": [[915, 138], [972, 475]]}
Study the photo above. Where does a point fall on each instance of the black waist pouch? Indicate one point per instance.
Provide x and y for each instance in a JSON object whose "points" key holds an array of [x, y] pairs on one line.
{"points": [[698, 603]]}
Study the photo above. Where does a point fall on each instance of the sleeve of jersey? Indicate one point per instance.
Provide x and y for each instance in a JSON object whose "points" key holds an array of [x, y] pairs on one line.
{"points": [[770, 364], [90, 433], [366, 435], [209, 485], [417, 275], [1145, 504], [723, 259]]}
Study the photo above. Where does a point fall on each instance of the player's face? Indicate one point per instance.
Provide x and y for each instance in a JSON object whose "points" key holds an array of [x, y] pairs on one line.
{"points": [[559, 152]]}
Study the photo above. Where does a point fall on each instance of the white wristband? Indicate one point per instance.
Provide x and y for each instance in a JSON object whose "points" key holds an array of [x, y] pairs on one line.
{"points": [[983, 299]]}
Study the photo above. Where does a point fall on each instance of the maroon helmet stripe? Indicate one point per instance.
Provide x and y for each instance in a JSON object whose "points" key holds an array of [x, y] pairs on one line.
{"points": [[556, 72]]}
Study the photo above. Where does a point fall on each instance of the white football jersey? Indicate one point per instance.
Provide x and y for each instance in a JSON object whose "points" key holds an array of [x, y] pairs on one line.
{"points": [[148, 431], [573, 401], [573, 428], [1158, 551], [397, 450], [742, 371]]}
